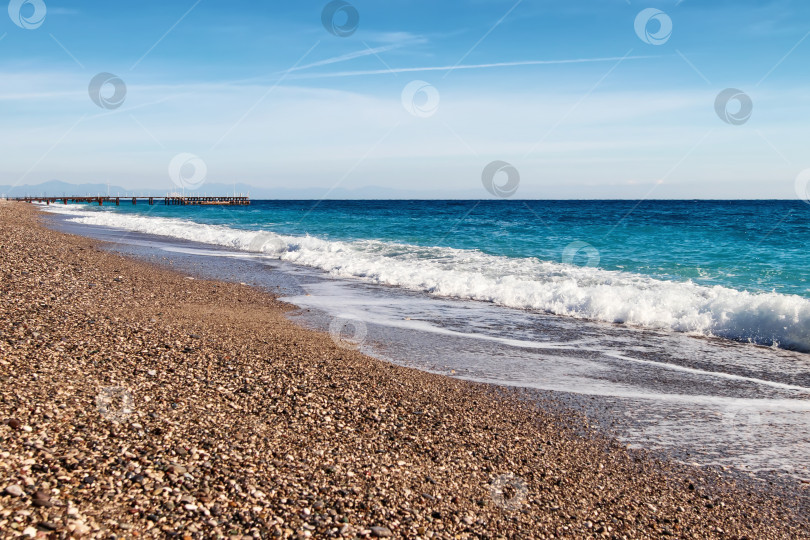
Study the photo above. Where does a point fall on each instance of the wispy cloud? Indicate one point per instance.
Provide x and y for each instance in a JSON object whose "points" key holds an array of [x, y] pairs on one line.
{"points": [[465, 66], [344, 57], [398, 38]]}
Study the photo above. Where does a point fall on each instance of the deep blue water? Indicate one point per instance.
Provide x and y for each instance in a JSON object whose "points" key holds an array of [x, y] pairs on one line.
{"points": [[519, 293], [758, 246], [737, 270]]}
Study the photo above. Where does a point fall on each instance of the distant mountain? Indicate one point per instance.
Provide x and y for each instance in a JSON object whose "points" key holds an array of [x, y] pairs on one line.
{"points": [[560, 191], [56, 188]]}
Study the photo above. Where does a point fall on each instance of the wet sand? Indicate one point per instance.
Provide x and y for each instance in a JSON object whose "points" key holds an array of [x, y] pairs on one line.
{"points": [[136, 401]]}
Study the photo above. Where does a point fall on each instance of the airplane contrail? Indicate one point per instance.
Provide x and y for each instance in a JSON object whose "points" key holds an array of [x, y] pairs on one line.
{"points": [[467, 66]]}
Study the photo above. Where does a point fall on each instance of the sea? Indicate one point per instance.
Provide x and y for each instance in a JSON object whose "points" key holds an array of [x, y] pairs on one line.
{"points": [[681, 327]]}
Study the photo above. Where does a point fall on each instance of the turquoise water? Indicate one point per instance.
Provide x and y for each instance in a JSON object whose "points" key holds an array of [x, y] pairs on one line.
{"points": [[493, 292], [732, 269], [758, 246]]}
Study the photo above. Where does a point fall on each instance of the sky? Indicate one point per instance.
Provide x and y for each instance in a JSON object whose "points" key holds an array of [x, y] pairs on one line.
{"points": [[584, 99]]}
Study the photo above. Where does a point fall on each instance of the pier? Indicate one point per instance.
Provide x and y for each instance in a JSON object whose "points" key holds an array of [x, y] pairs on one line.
{"points": [[168, 200]]}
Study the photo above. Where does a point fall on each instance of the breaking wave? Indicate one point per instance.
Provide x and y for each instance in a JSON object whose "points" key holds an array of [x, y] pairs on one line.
{"points": [[526, 283]]}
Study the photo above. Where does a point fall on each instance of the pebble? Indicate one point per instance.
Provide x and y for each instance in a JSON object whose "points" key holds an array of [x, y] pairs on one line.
{"points": [[14, 490], [78, 528], [261, 406], [41, 498], [177, 469], [48, 526], [380, 532]]}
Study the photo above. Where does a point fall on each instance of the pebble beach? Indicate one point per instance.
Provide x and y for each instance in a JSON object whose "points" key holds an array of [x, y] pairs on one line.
{"points": [[136, 401]]}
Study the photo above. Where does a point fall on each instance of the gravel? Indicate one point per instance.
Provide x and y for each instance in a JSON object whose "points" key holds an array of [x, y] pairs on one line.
{"points": [[136, 402]]}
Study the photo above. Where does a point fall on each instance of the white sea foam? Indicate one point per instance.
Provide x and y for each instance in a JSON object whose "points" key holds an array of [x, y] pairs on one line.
{"points": [[529, 283]]}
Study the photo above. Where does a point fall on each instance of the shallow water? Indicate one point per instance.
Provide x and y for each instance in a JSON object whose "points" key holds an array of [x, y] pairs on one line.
{"points": [[737, 270], [705, 401]]}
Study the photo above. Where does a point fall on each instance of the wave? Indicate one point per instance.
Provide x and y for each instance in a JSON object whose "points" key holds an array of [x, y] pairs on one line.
{"points": [[525, 283]]}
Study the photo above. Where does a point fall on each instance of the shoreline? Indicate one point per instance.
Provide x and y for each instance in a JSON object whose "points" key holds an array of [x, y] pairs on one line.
{"points": [[676, 301], [703, 433], [159, 404]]}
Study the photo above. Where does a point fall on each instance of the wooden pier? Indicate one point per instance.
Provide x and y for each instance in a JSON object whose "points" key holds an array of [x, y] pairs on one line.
{"points": [[168, 200]]}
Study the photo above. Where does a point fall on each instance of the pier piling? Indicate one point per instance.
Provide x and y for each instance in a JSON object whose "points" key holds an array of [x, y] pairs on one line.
{"points": [[168, 200]]}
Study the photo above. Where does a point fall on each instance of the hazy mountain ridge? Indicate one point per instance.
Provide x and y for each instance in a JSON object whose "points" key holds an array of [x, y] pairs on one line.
{"points": [[561, 191]]}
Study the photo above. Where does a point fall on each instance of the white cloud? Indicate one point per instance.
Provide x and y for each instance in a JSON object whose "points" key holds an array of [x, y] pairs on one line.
{"points": [[313, 136], [396, 38]]}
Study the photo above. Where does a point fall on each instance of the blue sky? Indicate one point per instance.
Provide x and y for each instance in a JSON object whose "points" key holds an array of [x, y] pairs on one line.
{"points": [[567, 92]]}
